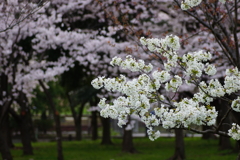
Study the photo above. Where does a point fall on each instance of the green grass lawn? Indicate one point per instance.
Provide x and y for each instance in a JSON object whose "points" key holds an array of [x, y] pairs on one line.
{"points": [[161, 149]]}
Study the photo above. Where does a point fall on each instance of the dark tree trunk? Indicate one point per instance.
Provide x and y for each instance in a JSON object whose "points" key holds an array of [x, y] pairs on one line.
{"points": [[57, 121], [44, 118], [238, 147], [179, 137], [4, 123], [94, 120], [8, 128], [4, 95], [77, 118], [26, 133], [74, 115], [25, 125], [9, 140], [4, 147], [94, 125], [224, 142], [106, 134], [179, 146], [78, 122], [127, 144], [59, 134], [78, 129]]}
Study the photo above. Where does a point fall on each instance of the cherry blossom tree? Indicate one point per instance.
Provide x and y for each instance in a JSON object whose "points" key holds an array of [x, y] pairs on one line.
{"points": [[148, 18], [36, 51], [97, 16], [176, 72], [132, 19], [226, 21], [48, 43]]}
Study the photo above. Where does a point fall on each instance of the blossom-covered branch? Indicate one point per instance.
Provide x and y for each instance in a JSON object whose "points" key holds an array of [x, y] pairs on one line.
{"points": [[139, 94]]}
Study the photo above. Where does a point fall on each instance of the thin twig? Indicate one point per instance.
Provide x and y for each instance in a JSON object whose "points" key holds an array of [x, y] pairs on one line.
{"points": [[34, 10]]}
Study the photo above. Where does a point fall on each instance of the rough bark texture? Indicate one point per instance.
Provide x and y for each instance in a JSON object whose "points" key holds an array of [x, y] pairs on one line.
{"points": [[106, 134], [179, 146], [57, 121]]}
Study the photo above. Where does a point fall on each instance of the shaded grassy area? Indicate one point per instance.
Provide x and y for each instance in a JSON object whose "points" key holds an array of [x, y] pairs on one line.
{"points": [[161, 149]]}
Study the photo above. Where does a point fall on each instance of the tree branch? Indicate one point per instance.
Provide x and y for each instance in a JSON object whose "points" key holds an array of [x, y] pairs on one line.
{"points": [[34, 10], [223, 118]]}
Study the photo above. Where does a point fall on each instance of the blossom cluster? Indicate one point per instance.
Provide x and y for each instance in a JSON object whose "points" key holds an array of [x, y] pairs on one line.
{"points": [[174, 83], [142, 91], [138, 93], [141, 96], [214, 89], [236, 104], [131, 64], [234, 132], [188, 4], [153, 134], [231, 81], [187, 112], [155, 44], [194, 63], [167, 47]]}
